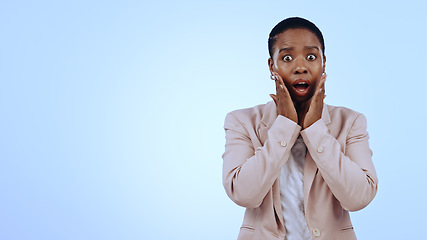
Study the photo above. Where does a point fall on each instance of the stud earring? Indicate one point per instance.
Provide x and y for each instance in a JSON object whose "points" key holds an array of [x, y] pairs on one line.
{"points": [[273, 77]]}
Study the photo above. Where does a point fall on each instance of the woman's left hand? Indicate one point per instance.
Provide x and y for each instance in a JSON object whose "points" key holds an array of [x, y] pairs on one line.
{"points": [[316, 104]]}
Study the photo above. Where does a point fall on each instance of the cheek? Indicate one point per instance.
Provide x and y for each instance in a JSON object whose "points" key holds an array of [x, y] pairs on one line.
{"points": [[318, 67], [316, 77], [317, 71], [284, 69]]}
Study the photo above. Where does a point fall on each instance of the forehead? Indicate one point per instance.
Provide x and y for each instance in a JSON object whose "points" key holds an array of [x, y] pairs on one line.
{"points": [[296, 38]]}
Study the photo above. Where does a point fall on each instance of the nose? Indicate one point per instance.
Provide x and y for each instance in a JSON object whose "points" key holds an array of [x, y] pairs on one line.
{"points": [[300, 67]]}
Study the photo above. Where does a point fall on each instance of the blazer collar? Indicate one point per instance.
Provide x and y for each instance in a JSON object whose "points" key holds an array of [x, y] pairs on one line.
{"points": [[270, 114], [325, 114]]}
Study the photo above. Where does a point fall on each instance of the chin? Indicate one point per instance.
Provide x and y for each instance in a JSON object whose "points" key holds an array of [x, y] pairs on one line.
{"points": [[301, 99]]}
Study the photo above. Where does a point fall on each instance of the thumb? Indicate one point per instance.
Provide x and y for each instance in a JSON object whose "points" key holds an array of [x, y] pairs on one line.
{"points": [[274, 97]]}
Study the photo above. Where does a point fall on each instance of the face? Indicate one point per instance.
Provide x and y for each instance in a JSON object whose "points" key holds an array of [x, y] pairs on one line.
{"points": [[298, 59]]}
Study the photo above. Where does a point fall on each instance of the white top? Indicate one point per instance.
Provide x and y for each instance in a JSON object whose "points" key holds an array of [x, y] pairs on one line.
{"points": [[292, 195]]}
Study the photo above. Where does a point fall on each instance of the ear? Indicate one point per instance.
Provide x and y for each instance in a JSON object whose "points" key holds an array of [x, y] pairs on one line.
{"points": [[271, 65], [324, 63]]}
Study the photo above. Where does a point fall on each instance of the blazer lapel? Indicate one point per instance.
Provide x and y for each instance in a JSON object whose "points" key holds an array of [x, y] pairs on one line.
{"points": [[310, 167], [268, 118]]}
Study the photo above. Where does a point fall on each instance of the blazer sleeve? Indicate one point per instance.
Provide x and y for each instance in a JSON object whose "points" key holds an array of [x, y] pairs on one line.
{"points": [[249, 173], [351, 176]]}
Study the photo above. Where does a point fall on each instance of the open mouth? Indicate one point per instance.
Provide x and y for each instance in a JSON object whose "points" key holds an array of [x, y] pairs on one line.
{"points": [[301, 87]]}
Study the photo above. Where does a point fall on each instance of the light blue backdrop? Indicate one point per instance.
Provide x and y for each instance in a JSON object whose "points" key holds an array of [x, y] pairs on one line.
{"points": [[112, 111]]}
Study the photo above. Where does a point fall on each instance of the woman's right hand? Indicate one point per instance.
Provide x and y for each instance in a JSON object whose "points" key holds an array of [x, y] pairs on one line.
{"points": [[284, 104]]}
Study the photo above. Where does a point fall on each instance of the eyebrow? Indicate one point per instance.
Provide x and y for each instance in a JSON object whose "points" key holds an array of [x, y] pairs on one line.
{"points": [[286, 49], [312, 47], [291, 48]]}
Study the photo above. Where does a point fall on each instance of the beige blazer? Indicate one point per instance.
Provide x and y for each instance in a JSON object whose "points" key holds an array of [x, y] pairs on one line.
{"points": [[339, 175]]}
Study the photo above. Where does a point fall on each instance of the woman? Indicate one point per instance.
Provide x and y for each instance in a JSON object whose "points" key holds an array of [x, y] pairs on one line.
{"points": [[297, 164]]}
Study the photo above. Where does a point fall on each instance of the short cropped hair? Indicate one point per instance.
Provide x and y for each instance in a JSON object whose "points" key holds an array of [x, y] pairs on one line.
{"points": [[294, 23]]}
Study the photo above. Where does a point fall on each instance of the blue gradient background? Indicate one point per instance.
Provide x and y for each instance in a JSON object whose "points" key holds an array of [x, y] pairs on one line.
{"points": [[112, 111]]}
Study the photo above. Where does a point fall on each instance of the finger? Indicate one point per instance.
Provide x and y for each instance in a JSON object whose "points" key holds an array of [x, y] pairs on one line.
{"points": [[322, 93], [323, 87], [319, 94], [324, 76], [282, 84], [279, 84], [322, 81], [279, 78], [320, 90], [278, 89], [281, 91], [285, 96]]}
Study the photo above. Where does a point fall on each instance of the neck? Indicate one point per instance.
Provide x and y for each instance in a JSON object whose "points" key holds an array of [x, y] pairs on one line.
{"points": [[302, 109]]}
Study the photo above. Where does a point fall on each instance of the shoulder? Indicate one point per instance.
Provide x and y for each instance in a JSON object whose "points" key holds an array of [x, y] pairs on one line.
{"points": [[248, 112], [343, 113], [255, 113], [346, 117], [251, 116], [341, 110]]}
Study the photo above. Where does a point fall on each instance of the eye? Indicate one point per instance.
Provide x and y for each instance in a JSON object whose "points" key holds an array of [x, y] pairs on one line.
{"points": [[287, 58], [311, 57]]}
